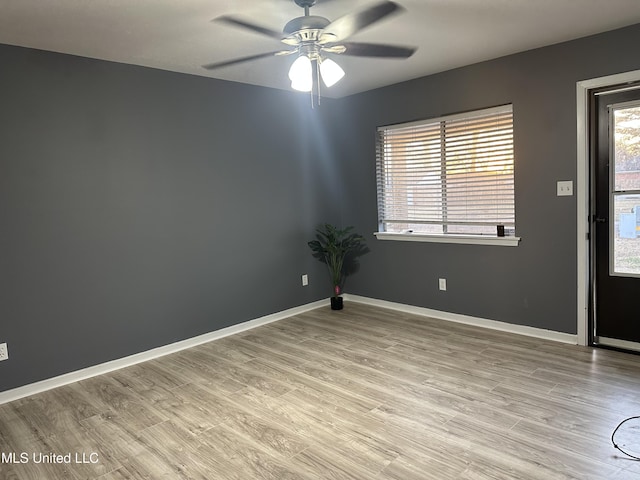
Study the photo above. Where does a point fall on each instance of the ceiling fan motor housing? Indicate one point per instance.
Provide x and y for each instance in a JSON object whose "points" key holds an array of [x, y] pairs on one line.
{"points": [[305, 29], [305, 3], [308, 22]]}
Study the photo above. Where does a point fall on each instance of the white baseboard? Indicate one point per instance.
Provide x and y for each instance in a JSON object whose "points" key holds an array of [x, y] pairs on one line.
{"points": [[468, 320], [76, 376]]}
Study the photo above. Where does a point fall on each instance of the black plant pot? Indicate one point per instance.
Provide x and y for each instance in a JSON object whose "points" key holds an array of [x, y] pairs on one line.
{"points": [[336, 303]]}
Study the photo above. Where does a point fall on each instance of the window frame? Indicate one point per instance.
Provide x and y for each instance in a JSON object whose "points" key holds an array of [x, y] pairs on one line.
{"points": [[444, 237]]}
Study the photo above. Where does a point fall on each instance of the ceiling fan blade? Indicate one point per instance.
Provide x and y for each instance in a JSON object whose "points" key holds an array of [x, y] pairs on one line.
{"points": [[239, 22], [351, 23], [213, 66], [357, 49]]}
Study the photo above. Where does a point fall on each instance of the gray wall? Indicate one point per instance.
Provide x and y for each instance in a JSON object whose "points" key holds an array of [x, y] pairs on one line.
{"points": [[532, 284], [140, 207]]}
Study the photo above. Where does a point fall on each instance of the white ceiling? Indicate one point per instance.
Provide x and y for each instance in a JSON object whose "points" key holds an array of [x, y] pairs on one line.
{"points": [[177, 35]]}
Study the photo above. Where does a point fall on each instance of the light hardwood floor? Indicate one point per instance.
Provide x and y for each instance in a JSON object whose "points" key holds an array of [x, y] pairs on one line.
{"points": [[364, 393]]}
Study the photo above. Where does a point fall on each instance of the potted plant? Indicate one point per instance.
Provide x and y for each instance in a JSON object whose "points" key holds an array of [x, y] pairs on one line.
{"points": [[338, 249]]}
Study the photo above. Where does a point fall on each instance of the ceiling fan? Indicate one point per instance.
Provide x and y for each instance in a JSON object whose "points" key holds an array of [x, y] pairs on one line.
{"points": [[313, 38]]}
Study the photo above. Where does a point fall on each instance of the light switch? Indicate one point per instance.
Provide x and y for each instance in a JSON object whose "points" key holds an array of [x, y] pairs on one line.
{"points": [[565, 188]]}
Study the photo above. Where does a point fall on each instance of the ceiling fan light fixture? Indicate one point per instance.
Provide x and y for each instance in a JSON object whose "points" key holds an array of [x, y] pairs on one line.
{"points": [[331, 72], [301, 74], [304, 86]]}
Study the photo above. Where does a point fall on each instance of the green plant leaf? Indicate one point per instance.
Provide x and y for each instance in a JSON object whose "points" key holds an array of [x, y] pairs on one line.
{"points": [[339, 250]]}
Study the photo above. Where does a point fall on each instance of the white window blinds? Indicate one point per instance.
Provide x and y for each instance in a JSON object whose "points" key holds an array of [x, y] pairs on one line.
{"points": [[447, 175]]}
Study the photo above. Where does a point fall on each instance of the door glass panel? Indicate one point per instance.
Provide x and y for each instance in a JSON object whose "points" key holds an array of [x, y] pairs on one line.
{"points": [[627, 148], [626, 235]]}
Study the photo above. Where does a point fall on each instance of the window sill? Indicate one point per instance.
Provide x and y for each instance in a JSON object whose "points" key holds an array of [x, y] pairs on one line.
{"points": [[450, 238]]}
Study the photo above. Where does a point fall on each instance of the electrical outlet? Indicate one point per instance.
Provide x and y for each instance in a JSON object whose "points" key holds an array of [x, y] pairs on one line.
{"points": [[4, 353], [442, 283], [305, 280]]}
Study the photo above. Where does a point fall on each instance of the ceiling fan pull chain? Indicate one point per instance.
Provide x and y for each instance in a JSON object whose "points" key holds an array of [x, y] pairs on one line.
{"points": [[318, 78]]}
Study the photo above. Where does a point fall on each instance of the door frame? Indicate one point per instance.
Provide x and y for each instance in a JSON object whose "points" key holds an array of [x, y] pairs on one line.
{"points": [[583, 191]]}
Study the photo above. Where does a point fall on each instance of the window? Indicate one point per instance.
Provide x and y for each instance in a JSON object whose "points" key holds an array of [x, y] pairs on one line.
{"points": [[449, 175]]}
